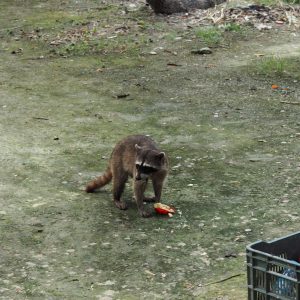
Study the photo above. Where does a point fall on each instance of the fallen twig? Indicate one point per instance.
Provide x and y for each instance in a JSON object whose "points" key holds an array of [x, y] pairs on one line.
{"points": [[40, 118], [220, 18], [222, 280], [288, 102]]}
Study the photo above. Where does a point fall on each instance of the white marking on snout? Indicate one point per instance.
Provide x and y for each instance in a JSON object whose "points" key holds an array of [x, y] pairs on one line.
{"points": [[146, 165], [138, 162]]}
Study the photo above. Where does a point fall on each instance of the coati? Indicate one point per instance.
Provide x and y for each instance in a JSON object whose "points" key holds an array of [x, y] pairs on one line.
{"points": [[136, 156], [177, 6]]}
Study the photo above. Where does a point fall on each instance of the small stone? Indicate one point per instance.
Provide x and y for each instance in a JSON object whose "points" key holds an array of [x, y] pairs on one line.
{"points": [[261, 26], [70, 251], [202, 51], [89, 270], [108, 282], [30, 264], [38, 204], [105, 244]]}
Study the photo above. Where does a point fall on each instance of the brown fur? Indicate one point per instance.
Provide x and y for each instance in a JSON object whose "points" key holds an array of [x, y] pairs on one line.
{"points": [[136, 156], [99, 181], [178, 6]]}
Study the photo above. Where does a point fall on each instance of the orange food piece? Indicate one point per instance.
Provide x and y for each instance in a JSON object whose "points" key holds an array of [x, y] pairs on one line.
{"points": [[163, 209], [275, 86]]}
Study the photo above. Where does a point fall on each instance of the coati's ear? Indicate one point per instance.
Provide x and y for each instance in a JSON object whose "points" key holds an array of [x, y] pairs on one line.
{"points": [[161, 155], [137, 147]]}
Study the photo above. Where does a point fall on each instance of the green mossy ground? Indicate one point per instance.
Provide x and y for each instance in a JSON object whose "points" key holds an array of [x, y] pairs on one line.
{"points": [[233, 144]]}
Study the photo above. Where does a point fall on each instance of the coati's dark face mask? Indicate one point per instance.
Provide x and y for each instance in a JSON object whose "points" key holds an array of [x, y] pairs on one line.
{"points": [[147, 162], [143, 172], [147, 170]]}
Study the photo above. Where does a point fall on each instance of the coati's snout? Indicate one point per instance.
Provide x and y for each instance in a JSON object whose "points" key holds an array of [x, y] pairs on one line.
{"points": [[143, 172], [138, 176]]}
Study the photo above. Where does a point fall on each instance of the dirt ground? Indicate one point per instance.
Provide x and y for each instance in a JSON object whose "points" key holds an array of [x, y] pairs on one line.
{"points": [[75, 77]]}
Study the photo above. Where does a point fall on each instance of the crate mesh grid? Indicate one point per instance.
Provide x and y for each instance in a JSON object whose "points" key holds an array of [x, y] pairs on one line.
{"points": [[273, 271]]}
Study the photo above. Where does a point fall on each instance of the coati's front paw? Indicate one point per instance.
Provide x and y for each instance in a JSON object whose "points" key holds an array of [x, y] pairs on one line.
{"points": [[121, 205], [145, 213]]}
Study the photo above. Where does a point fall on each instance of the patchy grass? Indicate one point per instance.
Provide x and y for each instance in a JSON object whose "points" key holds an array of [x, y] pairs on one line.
{"points": [[212, 36], [233, 27], [268, 2], [216, 36], [276, 66], [293, 1]]}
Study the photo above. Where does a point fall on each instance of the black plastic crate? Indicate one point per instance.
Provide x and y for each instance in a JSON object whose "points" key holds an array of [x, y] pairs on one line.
{"points": [[273, 269]]}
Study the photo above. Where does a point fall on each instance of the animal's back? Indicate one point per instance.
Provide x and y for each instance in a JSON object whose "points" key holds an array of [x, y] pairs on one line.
{"points": [[122, 160]]}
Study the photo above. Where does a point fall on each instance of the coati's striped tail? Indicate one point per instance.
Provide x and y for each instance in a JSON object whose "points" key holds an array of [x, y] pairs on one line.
{"points": [[99, 181]]}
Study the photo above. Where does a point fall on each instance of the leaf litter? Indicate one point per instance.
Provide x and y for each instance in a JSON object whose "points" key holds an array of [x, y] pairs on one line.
{"points": [[91, 32], [243, 15]]}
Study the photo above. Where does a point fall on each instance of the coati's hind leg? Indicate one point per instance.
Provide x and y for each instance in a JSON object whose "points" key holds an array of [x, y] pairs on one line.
{"points": [[139, 187], [119, 181]]}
